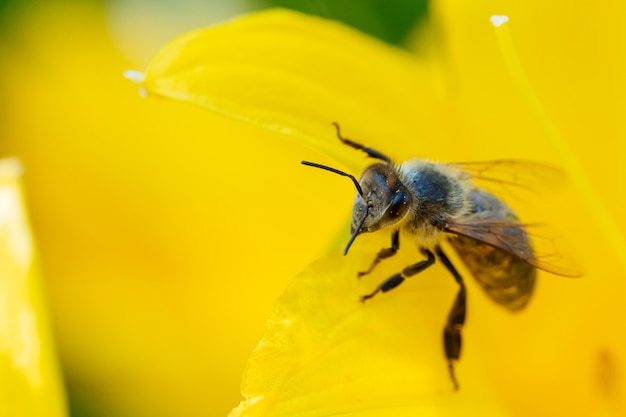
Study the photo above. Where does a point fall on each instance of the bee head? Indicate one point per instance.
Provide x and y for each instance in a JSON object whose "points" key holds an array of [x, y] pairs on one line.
{"points": [[383, 202]]}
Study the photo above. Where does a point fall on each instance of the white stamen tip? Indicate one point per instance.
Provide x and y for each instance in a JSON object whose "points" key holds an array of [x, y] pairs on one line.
{"points": [[499, 19], [135, 76]]}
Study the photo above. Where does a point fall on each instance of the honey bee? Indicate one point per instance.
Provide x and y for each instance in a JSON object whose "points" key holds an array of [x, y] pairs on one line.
{"points": [[435, 202]]}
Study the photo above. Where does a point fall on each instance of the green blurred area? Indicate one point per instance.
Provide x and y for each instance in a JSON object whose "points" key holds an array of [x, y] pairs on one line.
{"points": [[389, 20]]}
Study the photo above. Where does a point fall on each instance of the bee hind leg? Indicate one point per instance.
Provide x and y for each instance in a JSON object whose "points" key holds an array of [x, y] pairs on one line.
{"points": [[397, 279], [384, 253], [456, 319]]}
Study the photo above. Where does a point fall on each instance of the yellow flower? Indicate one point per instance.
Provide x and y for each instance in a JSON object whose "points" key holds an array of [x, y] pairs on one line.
{"points": [[326, 354], [30, 382], [160, 279]]}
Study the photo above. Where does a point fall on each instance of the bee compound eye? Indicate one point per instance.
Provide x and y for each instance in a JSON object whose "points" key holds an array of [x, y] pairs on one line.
{"points": [[398, 204]]}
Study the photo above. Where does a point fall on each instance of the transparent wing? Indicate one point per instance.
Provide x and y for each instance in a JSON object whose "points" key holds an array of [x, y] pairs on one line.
{"points": [[512, 174], [513, 237]]}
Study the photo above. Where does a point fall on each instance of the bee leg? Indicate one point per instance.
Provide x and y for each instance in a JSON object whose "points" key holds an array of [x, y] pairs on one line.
{"points": [[372, 153], [456, 319], [397, 279], [384, 253]]}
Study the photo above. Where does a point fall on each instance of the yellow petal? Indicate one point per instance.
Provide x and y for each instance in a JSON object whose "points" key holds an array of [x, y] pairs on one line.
{"points": [[30, 383], [295, 74], [325, 353]]}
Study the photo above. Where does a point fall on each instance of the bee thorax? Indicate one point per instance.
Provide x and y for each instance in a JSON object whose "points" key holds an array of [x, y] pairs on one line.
{"points": [[437, 195]]}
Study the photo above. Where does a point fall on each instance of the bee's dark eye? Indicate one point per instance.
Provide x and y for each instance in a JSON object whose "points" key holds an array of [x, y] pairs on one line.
{"points": [[398, 204]]}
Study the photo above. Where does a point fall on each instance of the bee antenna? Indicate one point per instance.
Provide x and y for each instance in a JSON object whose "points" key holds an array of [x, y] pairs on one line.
{"points": [[336, 171], [356, 231]]}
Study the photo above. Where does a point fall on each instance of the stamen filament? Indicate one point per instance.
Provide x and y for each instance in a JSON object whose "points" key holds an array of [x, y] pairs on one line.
{"points": [[605, 221]]}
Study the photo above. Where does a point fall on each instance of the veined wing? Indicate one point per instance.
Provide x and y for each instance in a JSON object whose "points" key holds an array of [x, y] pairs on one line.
{"points": [[523, 174], [512, 237]]}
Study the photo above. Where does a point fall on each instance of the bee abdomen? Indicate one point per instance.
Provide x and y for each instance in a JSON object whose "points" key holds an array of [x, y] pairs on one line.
{"points": [[507, 280]]}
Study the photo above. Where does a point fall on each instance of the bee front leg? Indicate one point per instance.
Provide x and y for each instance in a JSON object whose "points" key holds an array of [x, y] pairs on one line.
{"points": [[456, 319], [384, 253], [397, 279]]}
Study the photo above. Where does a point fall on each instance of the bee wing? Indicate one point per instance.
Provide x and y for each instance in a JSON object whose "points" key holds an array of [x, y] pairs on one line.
{"points": [[520, 174], [513, 237]]}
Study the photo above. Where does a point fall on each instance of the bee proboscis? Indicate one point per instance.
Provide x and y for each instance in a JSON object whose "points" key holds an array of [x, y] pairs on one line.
{"points": [[436, 201]]}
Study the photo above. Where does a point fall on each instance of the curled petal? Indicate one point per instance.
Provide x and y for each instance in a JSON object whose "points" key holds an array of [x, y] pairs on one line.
{"points": [[295, 75], [325, 353]]}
